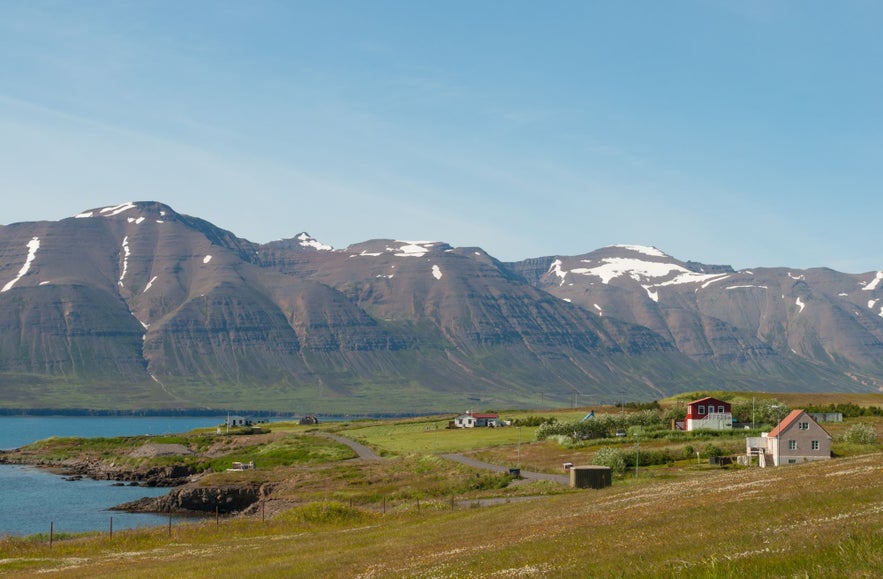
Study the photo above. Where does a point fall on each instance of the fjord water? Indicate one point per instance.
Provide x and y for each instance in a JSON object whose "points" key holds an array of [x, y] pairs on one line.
{"points": [[31, 498]]}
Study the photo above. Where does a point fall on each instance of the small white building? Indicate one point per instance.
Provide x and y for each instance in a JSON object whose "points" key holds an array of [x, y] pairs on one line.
{"points": [[477, 420]]}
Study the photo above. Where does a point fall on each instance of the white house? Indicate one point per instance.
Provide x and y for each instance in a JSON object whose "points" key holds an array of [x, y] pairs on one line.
{"points": [[475, 419]]}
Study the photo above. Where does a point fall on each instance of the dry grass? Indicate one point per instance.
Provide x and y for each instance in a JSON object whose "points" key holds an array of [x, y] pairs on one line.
{"points": [[816, 519]]}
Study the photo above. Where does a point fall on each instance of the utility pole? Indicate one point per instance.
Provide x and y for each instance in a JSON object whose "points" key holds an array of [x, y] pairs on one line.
{"points": [[637, 453]]}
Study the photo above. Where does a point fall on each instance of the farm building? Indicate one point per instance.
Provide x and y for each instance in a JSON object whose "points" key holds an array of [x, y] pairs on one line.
{"points": [[477, 420], [708, 413], [234, 421], [797, 438]]}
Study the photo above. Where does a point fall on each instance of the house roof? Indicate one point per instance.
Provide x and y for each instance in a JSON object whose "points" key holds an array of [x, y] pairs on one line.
{"points": [[707, 398], [480, 415], [786, 422]]}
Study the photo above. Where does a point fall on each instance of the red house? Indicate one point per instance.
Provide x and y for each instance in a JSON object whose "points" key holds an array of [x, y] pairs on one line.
{"points": [[709, 413]]}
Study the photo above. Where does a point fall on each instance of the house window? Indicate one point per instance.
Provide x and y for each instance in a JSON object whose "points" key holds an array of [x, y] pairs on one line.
{"points": [[702, 409], [792, 445], [803, 426], [720, 408], [815, 444]]}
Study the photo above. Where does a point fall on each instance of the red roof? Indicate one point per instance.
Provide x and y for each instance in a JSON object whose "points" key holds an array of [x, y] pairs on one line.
{"points": [[485, 416], [786, 422], [708, 398]]}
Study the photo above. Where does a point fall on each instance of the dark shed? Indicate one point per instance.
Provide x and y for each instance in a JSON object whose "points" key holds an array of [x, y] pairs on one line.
{"points": [[591, 477]]}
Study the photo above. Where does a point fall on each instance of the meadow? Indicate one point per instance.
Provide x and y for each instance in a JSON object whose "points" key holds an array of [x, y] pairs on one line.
{"points": [[395, 517]]}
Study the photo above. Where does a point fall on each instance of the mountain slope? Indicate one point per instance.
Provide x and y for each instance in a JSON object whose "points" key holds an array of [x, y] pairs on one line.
{"points": [[137, 306], [822, 326]]}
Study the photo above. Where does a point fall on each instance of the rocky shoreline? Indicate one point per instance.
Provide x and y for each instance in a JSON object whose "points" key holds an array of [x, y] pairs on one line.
{"points": [[186, 497]]}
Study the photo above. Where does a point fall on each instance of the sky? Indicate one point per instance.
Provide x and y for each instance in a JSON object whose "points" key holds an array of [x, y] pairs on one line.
{"points": [[738, 132]]}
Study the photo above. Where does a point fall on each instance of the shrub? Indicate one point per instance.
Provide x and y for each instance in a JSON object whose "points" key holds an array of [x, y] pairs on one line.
{"points": [[610, 457], [861, 434], [711, 450]]}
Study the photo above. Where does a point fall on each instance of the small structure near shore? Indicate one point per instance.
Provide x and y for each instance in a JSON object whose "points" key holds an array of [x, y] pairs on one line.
{"points": [[237, 466], [591, 477]]}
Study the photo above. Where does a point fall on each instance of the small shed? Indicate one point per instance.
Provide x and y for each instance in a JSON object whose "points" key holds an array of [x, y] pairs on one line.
{"points": [[591, 477]]}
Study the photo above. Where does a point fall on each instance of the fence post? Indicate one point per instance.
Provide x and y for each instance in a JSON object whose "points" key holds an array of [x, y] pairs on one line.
{"points": [[110, 534], [384, 505], [170, 524], [217, 516], [51, 533], [452, 502]]}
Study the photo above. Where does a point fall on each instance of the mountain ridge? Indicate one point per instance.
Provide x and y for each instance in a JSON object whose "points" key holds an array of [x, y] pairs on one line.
{"points": [[135, 305]]}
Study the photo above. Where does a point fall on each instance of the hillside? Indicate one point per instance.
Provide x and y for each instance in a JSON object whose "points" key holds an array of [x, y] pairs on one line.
{"points": [[137, 306]]}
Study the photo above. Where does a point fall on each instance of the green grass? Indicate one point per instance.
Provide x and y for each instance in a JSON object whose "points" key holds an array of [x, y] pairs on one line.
{"points": [[333, 517]]}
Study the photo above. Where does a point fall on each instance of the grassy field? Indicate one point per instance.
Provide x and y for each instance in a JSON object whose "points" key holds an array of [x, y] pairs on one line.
{"points": [[397, 517]]}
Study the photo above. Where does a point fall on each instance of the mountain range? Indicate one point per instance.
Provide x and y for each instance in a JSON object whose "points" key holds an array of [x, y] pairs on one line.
{"points": [[136, 306]]}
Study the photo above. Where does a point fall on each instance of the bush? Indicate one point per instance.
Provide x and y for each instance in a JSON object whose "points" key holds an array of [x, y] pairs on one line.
{"points": [[610, 457], [861, 434], [711, 450]]}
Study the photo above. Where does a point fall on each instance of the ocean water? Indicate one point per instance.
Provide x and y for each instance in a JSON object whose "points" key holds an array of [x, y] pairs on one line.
{"points": [[32, 498]]}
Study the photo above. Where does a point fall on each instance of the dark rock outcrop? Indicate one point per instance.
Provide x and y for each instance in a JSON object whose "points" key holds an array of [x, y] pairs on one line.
{"points": [[198, 499]]}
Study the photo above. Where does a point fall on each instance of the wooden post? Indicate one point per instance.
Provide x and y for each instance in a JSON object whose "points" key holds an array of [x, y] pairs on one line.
{"points": [[384, 505], [263, 511], [170, 524], [51, 533], [452, 502], [110, 534], [217, 516], [418, 504]]}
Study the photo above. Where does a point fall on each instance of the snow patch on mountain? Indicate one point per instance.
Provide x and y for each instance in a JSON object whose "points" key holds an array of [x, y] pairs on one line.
{"points": [[126, 254], [411, 248], [799, 303], [436, 272], [872, 285], [558, 271], [117, 209], [640, 270], [652, 294], [206, 259], [652, 251], [33, 246], [307, 241], [149, 284]]}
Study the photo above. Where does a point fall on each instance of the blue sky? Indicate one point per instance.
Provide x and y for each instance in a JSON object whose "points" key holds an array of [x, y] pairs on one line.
{"points": [[740, 132]]}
